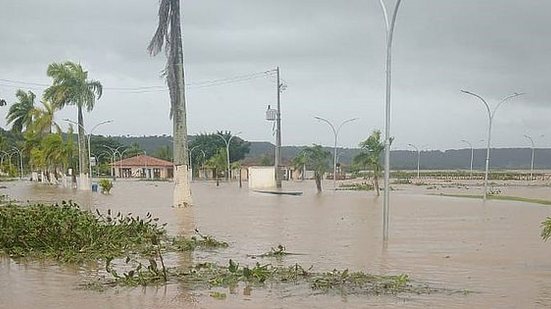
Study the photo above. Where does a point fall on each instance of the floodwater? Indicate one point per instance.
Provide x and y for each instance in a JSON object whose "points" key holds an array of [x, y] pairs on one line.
{"points": [[493, 250]]}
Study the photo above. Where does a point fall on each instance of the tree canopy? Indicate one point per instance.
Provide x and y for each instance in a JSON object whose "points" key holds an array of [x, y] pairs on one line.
{"points": [[211, 144]]}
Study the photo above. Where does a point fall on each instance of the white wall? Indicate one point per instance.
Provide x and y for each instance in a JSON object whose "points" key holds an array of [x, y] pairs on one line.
{"points": [[261, 177]]}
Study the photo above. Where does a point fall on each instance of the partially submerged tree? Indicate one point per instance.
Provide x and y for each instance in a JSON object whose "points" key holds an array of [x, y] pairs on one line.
{"points": [[546, 232], [71, 86], [169, 36], [370, 156], [299, 164], [317, 159], [218, 163]]}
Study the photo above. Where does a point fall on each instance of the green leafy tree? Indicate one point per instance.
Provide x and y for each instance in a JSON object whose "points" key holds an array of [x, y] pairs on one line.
{"points": [[71, 86], [163, 153], [169, 36], [318, 160], [218, 163], [266, 160], [211, 143], [134, 150], [20, 114], [101, 144], [370, 156]]}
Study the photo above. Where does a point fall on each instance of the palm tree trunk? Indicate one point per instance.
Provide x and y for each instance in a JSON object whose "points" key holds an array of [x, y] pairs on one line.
{"points": [[318, 182], [182, 190], [376, 183], [83, 155]]}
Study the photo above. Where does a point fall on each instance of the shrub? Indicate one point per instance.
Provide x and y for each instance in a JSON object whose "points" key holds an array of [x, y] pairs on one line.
{"points": [[106, 185]]}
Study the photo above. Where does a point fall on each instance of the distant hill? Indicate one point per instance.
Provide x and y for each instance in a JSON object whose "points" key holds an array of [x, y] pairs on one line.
{"points": [[501, 158]]}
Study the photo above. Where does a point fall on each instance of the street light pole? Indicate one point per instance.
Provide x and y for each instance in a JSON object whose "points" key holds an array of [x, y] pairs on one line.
{"points": [[335, 135], [114, 151], [533, 151], [389, 27], [89, 151], [20, 162], [228, 151], [418, 158], [491, 114], [472, 155]]}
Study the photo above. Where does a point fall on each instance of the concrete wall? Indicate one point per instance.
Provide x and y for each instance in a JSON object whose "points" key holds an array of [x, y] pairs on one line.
{"points": [[261, 177]]}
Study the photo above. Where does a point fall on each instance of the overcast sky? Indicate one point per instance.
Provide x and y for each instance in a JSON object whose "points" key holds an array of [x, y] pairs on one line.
{"points": [[331, 54]]}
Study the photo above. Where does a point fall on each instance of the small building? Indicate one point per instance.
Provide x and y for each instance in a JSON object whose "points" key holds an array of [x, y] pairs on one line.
{"points": [[143, 166]]}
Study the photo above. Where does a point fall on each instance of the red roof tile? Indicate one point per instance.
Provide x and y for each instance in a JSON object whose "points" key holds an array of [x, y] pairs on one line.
{"points": [[143, 160]]}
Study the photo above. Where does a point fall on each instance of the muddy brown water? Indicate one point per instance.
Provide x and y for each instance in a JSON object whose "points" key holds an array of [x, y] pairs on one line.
{"points": [[492, 249]]}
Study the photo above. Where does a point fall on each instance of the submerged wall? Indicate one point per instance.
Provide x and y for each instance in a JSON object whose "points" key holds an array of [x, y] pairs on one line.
{"points": [[261, 177]]}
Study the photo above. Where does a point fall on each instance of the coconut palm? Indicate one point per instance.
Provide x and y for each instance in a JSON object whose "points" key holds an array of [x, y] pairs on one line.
{"points": [[169, 36], [370, 156], [71, 86], [218, 163], [44, 119], [52, 147], [299, 164], [20, 114], [317, 159]]}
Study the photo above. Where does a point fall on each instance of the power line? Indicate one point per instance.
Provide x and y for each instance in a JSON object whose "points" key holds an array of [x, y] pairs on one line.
{"points": [[145, 89]]}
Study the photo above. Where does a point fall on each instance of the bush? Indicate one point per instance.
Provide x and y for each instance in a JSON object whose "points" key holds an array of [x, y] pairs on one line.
{"points": [[68, 234], [106, 185], [546, 232]]}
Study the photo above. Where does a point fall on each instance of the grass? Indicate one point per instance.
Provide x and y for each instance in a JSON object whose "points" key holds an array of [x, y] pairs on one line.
{"points": [[501, 198], [356, 187]]}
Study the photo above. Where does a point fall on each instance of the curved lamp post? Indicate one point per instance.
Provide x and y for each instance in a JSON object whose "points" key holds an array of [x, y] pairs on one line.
{"points": [[491, 114], [335, 135], [472, 154], [18, 151], [2, 155], [228, 151], [418, 159], [89, 151], [389, 27], [114, 151], [533, 151]]}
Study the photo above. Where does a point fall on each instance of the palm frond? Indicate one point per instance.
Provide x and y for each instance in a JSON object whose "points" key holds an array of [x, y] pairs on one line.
{"points": [[160, 37]]}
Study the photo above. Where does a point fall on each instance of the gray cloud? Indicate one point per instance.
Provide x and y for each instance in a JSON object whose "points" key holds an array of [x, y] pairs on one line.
{"points": [[331, 54]]}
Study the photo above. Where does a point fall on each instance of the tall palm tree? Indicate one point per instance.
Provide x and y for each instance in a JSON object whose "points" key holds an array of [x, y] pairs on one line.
{"points": [[20, 114], [71, 86], [169, 35]]}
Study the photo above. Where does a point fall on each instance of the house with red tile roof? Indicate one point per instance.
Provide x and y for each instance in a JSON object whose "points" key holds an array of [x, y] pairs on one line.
{"points": [[143, 166]]}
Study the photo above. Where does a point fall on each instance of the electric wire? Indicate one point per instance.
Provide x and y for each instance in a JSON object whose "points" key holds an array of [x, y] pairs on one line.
{"points": [[147, 89]]}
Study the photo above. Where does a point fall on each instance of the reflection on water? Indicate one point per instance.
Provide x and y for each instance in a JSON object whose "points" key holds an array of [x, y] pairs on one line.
{"points": [[493, 249]]}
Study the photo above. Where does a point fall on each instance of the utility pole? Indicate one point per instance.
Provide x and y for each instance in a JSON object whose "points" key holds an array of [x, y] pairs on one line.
{"points": [[277, 161]]}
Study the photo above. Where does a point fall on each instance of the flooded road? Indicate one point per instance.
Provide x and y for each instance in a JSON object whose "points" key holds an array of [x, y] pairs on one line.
{"points": [[492, 249]]}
